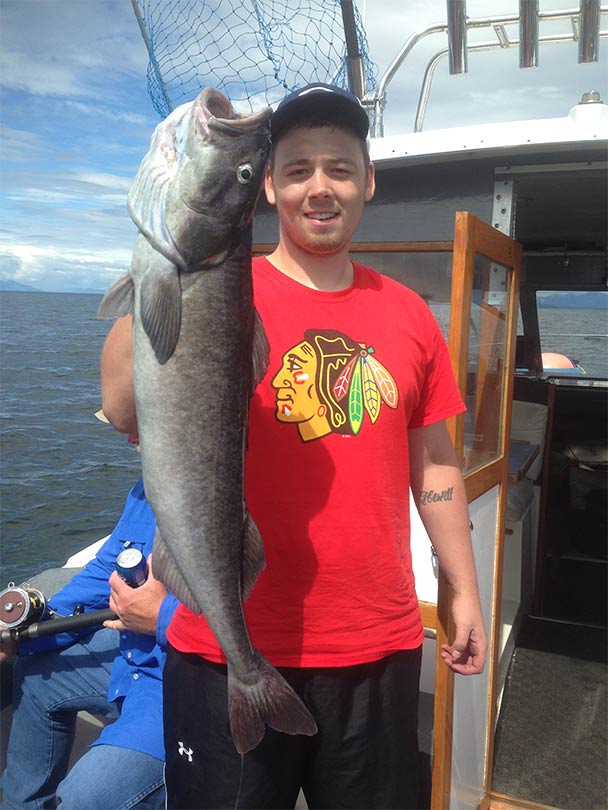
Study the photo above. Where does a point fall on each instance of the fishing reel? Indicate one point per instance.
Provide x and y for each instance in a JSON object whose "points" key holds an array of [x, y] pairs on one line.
{"points": [[24, 614], [21, 606]]}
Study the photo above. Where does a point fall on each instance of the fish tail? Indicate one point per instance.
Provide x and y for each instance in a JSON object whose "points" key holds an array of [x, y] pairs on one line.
{"points": [[270, 701]]}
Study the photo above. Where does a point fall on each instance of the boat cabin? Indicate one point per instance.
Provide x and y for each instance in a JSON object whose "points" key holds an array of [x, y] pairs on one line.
{"points": [[497, 227]]}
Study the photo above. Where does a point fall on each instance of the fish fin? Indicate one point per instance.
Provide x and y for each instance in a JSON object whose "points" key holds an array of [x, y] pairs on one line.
{"points": [[261, 350], [166, 570], [254, 560], [161, 310], [270, 701], [118, 299]]}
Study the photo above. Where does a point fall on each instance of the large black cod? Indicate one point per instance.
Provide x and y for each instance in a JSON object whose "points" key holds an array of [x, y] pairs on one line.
{"points": [[199, 351]]}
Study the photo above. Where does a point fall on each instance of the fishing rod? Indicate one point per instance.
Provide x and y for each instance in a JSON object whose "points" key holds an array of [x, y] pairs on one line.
{"points": [[50, 625], [24, 614]]}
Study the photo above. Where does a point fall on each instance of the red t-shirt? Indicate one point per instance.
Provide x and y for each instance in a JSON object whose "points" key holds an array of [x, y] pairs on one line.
{"points": [[327, 474]]}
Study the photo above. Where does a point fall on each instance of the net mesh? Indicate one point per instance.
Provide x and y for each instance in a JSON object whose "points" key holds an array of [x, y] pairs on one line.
{"points": [[255, 51]]}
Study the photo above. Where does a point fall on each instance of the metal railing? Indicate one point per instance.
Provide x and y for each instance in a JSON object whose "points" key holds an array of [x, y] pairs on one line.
{"points": [[585, 31]]}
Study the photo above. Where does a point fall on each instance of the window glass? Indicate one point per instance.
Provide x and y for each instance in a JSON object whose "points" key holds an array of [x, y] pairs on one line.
{"points": [[574, 332], [486, 363], [429, 273]]}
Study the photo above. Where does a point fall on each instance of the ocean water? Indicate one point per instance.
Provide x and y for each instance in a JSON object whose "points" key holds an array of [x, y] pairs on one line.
{"points": [[63, 474], [580, 334]]}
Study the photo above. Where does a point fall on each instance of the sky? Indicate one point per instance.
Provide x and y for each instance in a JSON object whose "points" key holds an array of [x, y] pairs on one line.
{"points": [[76, 117]]}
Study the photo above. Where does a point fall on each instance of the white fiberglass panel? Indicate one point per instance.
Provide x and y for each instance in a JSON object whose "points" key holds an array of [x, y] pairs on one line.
{"points": [[424, 561], [472, 694]]}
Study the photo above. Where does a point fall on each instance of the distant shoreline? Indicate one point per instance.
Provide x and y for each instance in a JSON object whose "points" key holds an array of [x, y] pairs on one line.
{"points": [[50, 292], [574, 301]]}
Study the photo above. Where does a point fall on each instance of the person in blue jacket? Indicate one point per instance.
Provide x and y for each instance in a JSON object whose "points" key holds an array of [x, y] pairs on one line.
{"points": [[116, 672]]}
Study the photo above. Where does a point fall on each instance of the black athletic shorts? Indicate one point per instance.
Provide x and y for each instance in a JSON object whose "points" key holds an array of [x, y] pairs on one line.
{"points": [[363, 756]]}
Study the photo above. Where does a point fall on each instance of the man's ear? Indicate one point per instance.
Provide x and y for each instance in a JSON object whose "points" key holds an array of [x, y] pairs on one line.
{"points": [[370, 187], [269, 187]]}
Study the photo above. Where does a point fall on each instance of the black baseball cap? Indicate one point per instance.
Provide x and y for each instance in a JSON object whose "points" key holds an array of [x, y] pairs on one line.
{"points": [[324, 100]]}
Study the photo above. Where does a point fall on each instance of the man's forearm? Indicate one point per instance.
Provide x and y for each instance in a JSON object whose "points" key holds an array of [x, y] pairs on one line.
{"points": [[444, 512], [443, 508], [439, 493]]}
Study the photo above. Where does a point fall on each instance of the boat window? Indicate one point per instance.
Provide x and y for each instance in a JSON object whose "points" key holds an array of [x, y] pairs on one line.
{"points": [[574, 332], [425, 267], [427, 272], [486, 363]]}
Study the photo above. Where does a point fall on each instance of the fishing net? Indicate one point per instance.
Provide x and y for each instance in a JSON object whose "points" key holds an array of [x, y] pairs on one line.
{"points": [[255, 51]]}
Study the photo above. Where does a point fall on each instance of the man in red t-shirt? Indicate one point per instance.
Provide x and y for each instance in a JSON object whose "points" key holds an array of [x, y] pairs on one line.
{"points": [[349, 416]]}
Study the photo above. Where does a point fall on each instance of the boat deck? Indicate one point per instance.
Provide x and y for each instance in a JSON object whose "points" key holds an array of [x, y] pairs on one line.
{"points": [[551, 743]]}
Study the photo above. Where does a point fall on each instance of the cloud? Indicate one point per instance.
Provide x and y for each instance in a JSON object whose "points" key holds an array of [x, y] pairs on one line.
{"points": [[77, 118], [50, 78], [20, 146], [65, 230], [53, 270], [70, 187], [108, 112], [495, 88], [101, 181], [45, 46]]}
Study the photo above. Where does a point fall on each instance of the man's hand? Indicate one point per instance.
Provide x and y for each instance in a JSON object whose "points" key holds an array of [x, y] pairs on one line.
{"points": [[8, 650], [137, 608], [467, 654]]}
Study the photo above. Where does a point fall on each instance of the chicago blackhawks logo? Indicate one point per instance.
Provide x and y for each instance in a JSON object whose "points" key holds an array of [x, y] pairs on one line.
{"points": [[328, 382]]}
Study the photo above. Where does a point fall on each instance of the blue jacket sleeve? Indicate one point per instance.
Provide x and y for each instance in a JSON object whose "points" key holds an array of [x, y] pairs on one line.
{"points": [[90, 587], [165, 614]]}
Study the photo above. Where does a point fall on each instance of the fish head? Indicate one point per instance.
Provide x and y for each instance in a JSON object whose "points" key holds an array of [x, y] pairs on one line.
{"points": [[222, 158]]}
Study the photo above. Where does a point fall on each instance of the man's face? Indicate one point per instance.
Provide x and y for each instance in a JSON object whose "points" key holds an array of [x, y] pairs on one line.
{"points": [[319, 181], [297, 398]]}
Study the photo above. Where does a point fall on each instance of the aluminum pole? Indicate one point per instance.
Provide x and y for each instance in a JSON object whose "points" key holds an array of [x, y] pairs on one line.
{"points": [[457, 36], [589, 31], [528, 33], [355, 69]]}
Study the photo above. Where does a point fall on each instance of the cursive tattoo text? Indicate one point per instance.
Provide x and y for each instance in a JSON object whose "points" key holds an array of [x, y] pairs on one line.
{"points": [[430, 496]]}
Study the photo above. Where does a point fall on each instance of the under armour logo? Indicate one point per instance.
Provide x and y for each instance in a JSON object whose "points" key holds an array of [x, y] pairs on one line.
{"points": [[181, 750]]}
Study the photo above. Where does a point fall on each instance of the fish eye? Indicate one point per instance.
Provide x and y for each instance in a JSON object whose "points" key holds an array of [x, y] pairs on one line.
{"points": [[244, 173]]}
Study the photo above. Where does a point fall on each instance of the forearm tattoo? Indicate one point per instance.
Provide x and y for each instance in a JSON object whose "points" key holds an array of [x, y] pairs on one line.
{"points": [[430, 496]]}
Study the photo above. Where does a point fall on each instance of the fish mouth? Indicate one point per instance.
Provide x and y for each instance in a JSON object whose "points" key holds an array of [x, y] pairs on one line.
{"points": [[222, 116], [241, 124]]}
